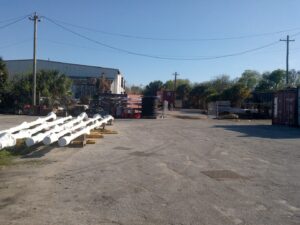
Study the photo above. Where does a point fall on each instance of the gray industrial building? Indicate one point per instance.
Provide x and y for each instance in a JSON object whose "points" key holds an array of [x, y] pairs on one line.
{"points": [[83, 76]]}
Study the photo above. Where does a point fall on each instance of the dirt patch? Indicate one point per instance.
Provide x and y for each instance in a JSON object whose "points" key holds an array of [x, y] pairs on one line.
{"points": [[7, 201], [6, 158], [9, 158], [38, 162]]}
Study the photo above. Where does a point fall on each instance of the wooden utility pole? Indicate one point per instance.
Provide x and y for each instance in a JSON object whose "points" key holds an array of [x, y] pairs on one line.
{"points": [[175, 86], [287, 40], [175, 80], [35, 18]]}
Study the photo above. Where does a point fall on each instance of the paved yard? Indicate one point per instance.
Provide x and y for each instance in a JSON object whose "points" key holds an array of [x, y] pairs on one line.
{"points": [[161, 172]]}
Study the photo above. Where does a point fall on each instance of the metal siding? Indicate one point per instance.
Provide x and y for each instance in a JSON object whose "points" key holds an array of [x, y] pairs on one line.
{"points": [[286, 108], [74, 70], [298, 106], [275, 107], [18, 67]]}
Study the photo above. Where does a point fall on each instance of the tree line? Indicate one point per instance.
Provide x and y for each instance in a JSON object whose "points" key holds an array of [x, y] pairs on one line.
{"points": [[237, 90], [15, 92]]}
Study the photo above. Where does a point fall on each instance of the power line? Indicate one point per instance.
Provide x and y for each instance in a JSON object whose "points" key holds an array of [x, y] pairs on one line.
{"points": [[76, 46], [13, 22], [16, 18], [66, 44], [155, 56], [97, 49], [82, 46], [15, 43], [296, 34], [246, 51], [177, 39]]}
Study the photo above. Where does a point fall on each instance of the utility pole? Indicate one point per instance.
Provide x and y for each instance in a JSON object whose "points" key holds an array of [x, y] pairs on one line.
{"points": [[287, 40], [175, 85], [35, 18], [175, 80]]}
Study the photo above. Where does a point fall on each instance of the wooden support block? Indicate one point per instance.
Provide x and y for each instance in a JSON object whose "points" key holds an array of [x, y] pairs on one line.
{"points": [[94, 135], [104, 131], [80, 141], [88, 142], [76, 142], [20, 142], [95, 132]]}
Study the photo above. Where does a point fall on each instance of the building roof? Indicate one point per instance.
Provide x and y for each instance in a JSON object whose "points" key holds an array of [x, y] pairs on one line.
{"points": [[22, 66]]}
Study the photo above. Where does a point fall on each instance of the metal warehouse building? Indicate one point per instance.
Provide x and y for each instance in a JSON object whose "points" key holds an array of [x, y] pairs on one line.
{"points": [[83, 76]]}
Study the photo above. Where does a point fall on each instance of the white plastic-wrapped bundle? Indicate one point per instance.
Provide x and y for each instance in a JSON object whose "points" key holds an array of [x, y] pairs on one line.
{"points": [[27, 125], [90, 124], [65, 129], [52, 128], [8, 138]]}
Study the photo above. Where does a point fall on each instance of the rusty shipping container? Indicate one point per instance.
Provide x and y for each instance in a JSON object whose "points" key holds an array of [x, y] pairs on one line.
{"points": [[298, 106], [286, 107]]}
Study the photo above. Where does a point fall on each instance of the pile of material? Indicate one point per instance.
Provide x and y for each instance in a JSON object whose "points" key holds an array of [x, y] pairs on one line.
{"points": [[49, 130]]}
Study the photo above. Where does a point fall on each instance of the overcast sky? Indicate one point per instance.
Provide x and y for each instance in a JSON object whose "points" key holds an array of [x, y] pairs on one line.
{"points": [[156, 28]]}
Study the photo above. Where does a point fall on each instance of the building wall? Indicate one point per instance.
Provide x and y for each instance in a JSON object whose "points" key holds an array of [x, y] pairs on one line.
{"points": [[117, 86], [75, 71]]}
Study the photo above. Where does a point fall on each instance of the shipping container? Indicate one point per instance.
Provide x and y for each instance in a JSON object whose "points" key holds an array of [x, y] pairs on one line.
{"points": [[299, 106], [149, 107], [285, 107]]}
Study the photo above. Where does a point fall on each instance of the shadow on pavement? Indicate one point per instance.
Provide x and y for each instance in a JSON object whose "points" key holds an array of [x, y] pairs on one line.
{"points": [[40, 152], [264, 131]]}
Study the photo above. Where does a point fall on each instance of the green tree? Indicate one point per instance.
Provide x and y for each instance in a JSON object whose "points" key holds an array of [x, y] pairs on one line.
{"points": [[236, 94], [272, 81], [169, 84], [249, 79], [4, 84], [200, 95], [134, 89], [53, 85], [152, 88], [294, 78], [183, 91], [3, 73], [220, 83], [50, 84], [277, 79]]}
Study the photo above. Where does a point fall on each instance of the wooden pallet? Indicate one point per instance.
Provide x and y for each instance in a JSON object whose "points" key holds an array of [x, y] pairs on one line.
{"points": [[106, 131], [79, 142], [87, 138], [94, 135], [20, 142]]}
